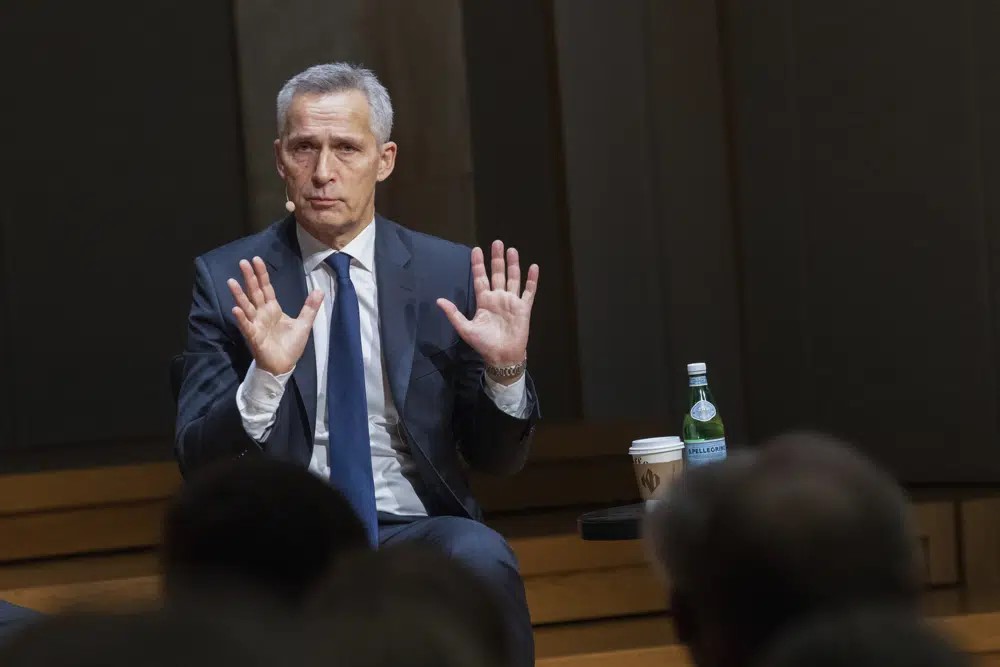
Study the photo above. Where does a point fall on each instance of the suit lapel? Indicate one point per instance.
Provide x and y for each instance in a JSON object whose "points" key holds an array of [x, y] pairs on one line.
{"points": [[284, 260], [397, 306]]}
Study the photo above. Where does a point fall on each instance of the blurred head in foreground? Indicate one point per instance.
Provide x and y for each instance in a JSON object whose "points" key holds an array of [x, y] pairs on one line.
{"points": [[258, 529], [412, 606], [800, 526], [153, 639], [863, 638]]}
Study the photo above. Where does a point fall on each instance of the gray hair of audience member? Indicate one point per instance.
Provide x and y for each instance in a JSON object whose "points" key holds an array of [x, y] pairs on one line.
{"points": [[335, 78], [863, 638], [802, 525]]}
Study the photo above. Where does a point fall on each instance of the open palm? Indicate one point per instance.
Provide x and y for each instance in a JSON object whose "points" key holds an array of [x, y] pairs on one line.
{"points": [[499, 329], [275, 339]]}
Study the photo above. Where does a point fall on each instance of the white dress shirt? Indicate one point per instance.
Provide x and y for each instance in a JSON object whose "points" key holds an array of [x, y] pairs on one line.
{"points": [[397, 482]]}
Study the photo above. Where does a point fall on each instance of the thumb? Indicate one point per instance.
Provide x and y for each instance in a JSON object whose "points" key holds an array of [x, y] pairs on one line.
{"points": [[311, 307], [455, 316]]}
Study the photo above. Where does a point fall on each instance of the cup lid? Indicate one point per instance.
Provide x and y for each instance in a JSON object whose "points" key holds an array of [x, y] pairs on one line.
{"points": [[660, 443]]}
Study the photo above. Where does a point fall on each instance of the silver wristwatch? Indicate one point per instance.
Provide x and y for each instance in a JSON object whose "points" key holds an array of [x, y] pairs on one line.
{"points": [[507, 371]]}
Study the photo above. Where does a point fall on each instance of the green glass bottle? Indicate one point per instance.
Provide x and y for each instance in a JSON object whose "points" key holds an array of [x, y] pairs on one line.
{"points": [[704, 434]]}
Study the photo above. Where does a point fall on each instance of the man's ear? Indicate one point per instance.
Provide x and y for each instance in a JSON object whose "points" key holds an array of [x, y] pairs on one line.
{"points": [[386, 160], [277, 159]]}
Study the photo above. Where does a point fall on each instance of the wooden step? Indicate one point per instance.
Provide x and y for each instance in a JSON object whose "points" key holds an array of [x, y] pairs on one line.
{"points": [[544, 543], [656, 656], [566, 579], [595, 481], [969, 618], [976, 637], [108, 595], [552, 641], [78, 569], [639, 641], [551, 598], [81, 530], [605, 480], [61, 489], [70, 512]]}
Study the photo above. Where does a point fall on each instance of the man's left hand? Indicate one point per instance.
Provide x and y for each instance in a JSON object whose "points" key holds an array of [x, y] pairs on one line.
{"points": [[499, 329]]}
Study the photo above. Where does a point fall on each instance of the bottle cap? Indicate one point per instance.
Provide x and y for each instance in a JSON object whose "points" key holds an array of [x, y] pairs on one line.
{"points": [[697, 369]]}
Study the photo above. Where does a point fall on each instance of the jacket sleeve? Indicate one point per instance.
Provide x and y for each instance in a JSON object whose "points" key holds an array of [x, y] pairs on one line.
{"points": [[489, 439], [209, 426]]}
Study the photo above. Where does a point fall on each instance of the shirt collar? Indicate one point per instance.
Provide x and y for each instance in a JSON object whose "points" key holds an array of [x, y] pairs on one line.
{"points": [[361, 248]]}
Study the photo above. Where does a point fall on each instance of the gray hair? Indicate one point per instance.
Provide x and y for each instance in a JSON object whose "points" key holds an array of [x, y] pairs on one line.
{"points": [[804, 520], [334, 78]]}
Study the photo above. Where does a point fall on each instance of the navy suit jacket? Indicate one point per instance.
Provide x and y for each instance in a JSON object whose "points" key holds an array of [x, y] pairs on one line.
{"points": [[435, 378]]}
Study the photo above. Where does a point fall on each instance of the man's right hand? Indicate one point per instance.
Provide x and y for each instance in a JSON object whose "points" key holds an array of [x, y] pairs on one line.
{"points": [[275, 339]]}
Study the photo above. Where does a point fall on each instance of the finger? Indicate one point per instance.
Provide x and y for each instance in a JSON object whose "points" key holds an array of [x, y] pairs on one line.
{"points": [[480, 283], [531, 285], [264, 279], [498, 265], [246, 327], [513, 272], [311, 307], [252, 286], [455, 316], [241, 299]]}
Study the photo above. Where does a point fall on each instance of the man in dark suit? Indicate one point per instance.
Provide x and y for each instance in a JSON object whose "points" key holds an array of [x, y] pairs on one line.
{"points": [[382, 359]]}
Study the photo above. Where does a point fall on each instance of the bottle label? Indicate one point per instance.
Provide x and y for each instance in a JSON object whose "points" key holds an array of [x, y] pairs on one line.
{"points": [[700, 452], [703, 411], [698, 381]]}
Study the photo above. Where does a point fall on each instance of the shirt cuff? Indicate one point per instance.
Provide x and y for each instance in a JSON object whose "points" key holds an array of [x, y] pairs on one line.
{"points": [[258, 399], [511, 399]]}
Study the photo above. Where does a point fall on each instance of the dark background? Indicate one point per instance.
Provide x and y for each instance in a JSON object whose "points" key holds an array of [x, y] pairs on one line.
{"points": [[800, 193]]}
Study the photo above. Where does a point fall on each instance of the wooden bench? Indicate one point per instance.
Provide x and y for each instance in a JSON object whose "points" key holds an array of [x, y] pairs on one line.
{"points": [[566, 579], [88, 538], [638, 639], [650, 642]]}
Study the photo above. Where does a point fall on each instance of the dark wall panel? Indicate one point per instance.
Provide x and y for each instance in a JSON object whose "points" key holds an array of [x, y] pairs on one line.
{"points": [[867, 272], [982, 18], [126, 139], [648, 192], [613, 235], [415, 48], [691, 200], [519, 179]]}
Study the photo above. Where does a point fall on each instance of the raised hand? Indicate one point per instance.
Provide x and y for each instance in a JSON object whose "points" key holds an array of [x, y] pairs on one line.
{"points": [[499, 329], [275, 339]]}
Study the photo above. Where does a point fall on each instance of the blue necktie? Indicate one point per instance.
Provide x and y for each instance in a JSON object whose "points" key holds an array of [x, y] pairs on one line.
{"points": [[349, 450]]}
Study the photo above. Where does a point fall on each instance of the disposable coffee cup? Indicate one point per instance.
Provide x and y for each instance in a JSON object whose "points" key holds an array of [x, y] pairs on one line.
{"points": [[657, 463]]}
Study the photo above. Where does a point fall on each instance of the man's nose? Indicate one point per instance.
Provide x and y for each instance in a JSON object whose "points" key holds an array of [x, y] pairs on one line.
{"points": [[325, 168]]}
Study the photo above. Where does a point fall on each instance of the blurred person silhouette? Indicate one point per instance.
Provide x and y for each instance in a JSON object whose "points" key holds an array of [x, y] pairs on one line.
{"points": [[802, 525], [255, 530], [148, 639], [370, 588], [863, 638]]}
